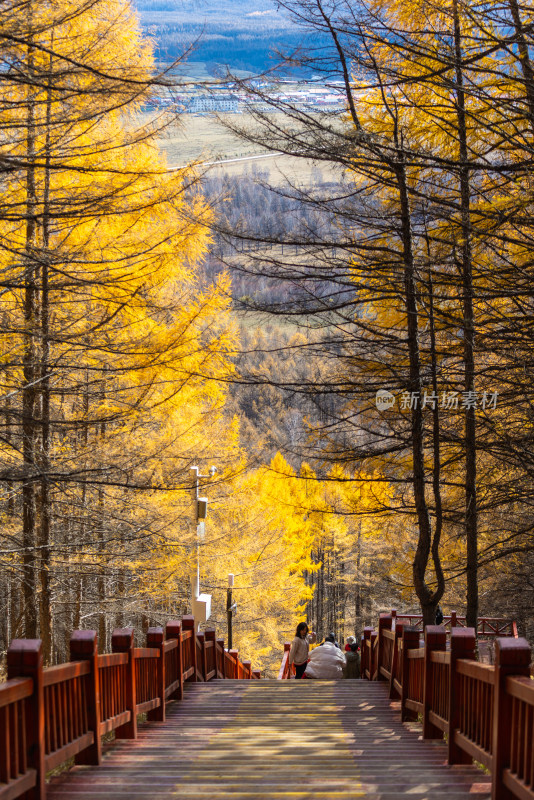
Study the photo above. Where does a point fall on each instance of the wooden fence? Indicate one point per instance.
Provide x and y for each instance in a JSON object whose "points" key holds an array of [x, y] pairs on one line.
{"points": [[485, 712], [49, 715], [488, 627]]}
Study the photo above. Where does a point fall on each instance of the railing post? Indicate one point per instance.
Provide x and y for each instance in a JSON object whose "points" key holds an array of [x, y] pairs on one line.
{"points": [[84, 647], [188, 624], [365, 652], [453, 619], [122, 641], [203, 666], [399, 627], [256, 673], [173, 630], [247, 669], [435, 639], [25, 660], [235, 667], [372, 655], [211, 636], [219, 662], [512, 657], [463, 642], [410, 641], [155, 638], [288, 670], [384, 623]]}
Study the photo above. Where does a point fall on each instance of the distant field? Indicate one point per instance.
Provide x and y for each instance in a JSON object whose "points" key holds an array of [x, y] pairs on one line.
{"points": [[202, 138]]}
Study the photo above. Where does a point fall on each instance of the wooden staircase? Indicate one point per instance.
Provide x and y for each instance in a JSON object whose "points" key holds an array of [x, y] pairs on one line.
{"points": [[240, 740]]}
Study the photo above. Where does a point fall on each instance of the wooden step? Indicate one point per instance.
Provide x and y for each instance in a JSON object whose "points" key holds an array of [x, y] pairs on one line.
{"points": [[304, 740]]}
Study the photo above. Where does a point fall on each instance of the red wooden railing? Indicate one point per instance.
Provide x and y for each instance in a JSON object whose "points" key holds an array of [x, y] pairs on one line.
{"points": [[286, 669], [485, 712], [489, 627], [48, 716]]}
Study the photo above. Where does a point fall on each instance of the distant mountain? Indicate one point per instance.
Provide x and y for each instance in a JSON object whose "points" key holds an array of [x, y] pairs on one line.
{"points": [[200, 10], [233, 33]]}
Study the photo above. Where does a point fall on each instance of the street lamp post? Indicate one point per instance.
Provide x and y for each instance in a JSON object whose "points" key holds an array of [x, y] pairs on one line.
{"points": [[200, 603], [230, 609]]}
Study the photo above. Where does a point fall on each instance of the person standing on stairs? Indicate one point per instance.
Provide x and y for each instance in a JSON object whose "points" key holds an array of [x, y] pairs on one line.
{"points": [[300, 648]]}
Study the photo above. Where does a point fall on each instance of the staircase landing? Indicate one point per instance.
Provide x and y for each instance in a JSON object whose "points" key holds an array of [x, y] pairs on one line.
{"points": [[277, 740]]}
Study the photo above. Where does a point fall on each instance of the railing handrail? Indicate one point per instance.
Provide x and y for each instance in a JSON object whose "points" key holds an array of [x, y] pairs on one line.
{"points": [[497, 625], [67, 708]]}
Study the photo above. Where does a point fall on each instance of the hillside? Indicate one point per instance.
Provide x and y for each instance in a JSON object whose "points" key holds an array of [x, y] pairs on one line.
{"points": [[231, 33]]}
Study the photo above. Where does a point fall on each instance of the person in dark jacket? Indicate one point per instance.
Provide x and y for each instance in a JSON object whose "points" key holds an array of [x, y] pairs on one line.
{"points": [[352, 666], [439, 615]]}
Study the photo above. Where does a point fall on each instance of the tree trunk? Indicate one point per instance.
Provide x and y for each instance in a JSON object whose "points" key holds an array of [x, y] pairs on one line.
{"points": [[45, 609], [524, 57], [30, 366], [471, 511], [422, 553], [358, 597]]}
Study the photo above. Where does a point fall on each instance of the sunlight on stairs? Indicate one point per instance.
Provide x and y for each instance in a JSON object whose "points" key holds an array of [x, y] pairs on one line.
{"points": [[246, 740]]}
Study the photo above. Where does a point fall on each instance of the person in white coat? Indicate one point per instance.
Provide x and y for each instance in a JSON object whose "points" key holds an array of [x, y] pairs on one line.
{"points": [[326, 662]]}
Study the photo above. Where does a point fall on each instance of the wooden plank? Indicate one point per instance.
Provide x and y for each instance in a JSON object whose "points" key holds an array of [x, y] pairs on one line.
{"points": [[16, 714], [516, 786], [463, 642], [438, 721], [14, 690], [155, 639], [522, 688], [69, 750], [418, 652], [473, 669], [435, 643], [65, 672], [122, 641], [188, 673], [172, 687], [114, 722], [112, 660], [148, 705], [18, 786], [440, 657], [146, 652], [472, 749], [5, 746], [414, 705]]}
